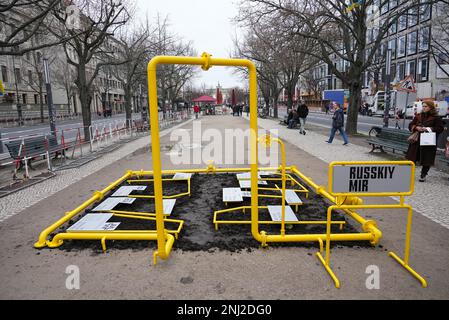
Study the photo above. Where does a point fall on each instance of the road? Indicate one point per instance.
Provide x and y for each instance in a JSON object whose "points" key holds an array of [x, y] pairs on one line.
{"points": [[70, 128], [364, 123]]}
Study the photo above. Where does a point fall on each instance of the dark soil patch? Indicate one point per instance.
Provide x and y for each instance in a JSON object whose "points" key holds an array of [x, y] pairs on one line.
{"points": [[198, 233]]}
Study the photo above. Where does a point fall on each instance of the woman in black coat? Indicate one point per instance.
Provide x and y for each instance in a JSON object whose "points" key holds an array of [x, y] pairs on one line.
{"points": [[425, 155]]}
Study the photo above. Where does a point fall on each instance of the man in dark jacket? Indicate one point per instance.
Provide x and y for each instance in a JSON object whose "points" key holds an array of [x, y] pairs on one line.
{"points": [[338, 122], [303, 112]]}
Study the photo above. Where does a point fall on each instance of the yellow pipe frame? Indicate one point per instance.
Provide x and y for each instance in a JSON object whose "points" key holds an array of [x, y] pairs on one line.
{"points": [[205, 61]]}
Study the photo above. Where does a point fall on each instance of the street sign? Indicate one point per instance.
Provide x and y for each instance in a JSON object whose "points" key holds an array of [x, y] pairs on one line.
{"points": [[407, 85], [384, 178]]}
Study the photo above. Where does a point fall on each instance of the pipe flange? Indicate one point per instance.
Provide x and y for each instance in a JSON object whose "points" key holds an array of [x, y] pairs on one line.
{"points": [[99, 195], [206, 66]]}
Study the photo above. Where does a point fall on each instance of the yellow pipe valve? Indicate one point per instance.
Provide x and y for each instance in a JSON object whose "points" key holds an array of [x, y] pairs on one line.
{"points": [[353, 201]]}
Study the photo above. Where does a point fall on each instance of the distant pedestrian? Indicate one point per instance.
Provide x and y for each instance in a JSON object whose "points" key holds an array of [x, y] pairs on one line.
{"points": [[196, 110], [338, 122], [426, 121], [293, 120], [303, 112], [327, 107], [247, 110], [241, 110]]}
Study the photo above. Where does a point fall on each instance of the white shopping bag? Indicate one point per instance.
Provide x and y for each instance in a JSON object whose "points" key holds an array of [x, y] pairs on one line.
{"points": [[428, 139]]}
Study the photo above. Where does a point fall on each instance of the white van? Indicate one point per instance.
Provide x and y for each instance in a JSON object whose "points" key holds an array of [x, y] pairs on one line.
{"points": [[442, 108]]}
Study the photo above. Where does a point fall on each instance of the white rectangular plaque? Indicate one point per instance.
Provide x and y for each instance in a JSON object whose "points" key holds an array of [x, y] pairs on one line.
{"points": [[110, 203], [232, 195], [91, 222], [126, 190], [181, 175], [291, 197], [168, 205], [246, 194], [246, 184], [276, 213]]}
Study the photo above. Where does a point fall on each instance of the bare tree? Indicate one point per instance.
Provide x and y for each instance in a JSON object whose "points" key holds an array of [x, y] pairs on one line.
{"points": [[34, 78], [89, 48], [171, 78], [440, 37], [135, 51], [24, 23], [65, 76], [339, 33]]}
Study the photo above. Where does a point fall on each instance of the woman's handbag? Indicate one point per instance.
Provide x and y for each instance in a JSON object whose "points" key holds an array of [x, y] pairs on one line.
{"points": [[428, 139], [413, 138]]}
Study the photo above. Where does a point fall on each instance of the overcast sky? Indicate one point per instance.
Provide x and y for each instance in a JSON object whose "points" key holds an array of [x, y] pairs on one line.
{"points": [[207, 23]]}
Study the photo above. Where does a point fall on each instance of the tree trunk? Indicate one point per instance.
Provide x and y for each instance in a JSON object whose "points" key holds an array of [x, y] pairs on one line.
{"points": [[353, 109], [85, 100], [41, 102], [128, 97], [289, 98]]}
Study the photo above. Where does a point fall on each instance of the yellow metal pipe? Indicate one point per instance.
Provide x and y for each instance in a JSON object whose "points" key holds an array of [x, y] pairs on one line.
{"points": [[206, 62], [150, 173], [60, 237], [97, 196]]}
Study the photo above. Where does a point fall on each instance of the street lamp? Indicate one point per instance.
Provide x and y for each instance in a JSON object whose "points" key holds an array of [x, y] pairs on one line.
{"points": [[49, 98], [387, 87]]}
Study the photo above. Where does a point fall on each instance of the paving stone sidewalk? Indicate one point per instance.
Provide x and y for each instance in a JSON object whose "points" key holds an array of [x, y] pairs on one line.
{"points": [[430, 198]]}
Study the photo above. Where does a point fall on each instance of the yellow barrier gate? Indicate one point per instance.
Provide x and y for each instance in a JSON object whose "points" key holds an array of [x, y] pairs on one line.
{"points": [[371, 179]]}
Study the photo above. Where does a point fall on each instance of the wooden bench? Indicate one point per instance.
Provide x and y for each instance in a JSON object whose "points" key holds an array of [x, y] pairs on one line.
{"points": [[394, 139], [32, 148]]}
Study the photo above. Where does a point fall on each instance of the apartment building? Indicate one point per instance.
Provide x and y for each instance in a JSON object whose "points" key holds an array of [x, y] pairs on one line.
{"points": [[25, 87], [410, 40]]}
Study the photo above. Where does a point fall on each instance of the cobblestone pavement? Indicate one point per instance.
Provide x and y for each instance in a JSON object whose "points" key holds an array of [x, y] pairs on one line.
{"points": [[430, 198], [18, 201]]}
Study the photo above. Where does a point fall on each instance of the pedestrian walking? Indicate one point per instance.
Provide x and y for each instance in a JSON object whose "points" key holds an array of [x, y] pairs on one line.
{"points": [[426, 121], [327, 107], [338, 122], [196, 110], [303, 112], [397, 118]]}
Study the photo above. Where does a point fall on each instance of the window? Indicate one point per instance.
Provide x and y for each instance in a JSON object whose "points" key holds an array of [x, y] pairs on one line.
{"points": [[393, 28], [384, 7], [4, 74], [423, 68], [401, 70], [424, 11], [30, 77], [412, 17], [24, 98], [411, 43], [402, 22], [443, 58], [35, 98], [39, 56], [411, 68], [424, 39], [392, 46], [393, 4], [393, 70], [18, 75], [401, 47]]}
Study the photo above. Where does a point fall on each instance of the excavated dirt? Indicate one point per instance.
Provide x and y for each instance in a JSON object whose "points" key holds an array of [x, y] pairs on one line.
{"points": [[198, 233]]}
